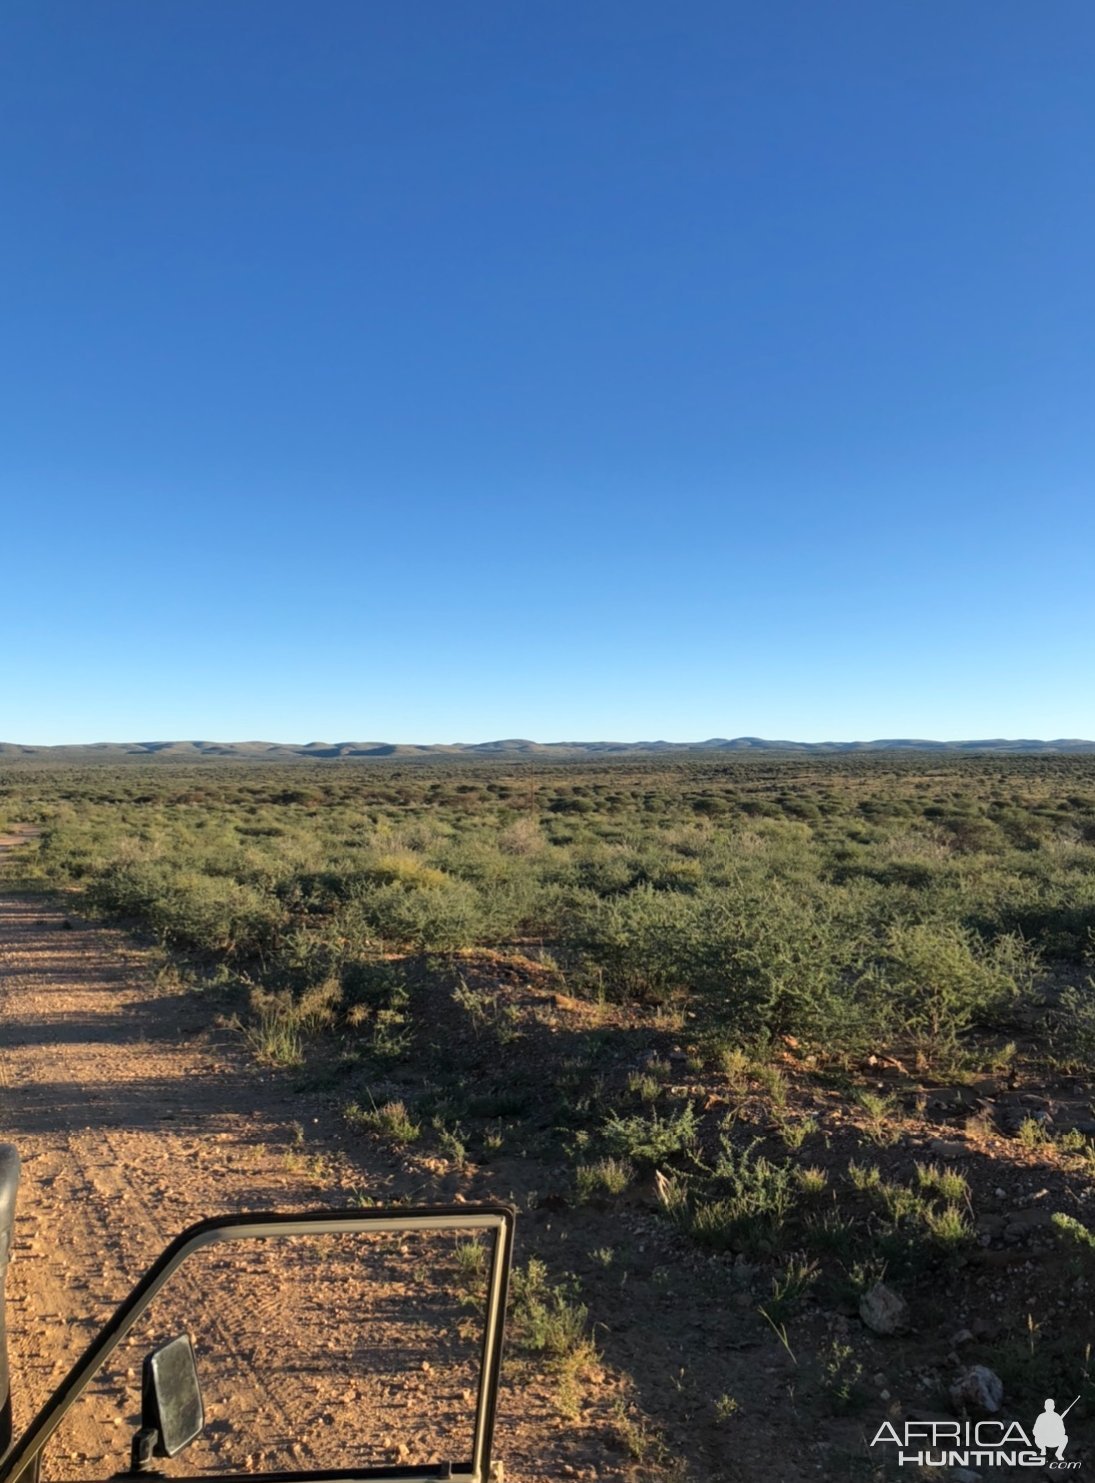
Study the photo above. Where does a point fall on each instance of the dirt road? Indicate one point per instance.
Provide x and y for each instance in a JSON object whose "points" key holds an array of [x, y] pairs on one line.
{"points": [[134, 1118]]}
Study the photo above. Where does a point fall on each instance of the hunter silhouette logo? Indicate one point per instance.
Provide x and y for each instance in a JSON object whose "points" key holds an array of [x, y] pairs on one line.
{"points": [[972, 1444], [1049, 1429]]}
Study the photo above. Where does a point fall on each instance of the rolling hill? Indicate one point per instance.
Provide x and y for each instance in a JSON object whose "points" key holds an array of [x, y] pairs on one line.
{"points": [[509, 748]]}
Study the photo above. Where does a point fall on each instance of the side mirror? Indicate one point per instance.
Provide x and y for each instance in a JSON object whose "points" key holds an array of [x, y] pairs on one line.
{"points": [[9, 1185], [329, 1254], [172, 1415]]}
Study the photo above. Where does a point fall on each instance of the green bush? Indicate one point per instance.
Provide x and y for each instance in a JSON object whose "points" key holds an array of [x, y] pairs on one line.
{"points": [[639, 944], [649, 1139], [746, 1205], [1074, 1028], [854, 902], [939, 980], [432, 918]]}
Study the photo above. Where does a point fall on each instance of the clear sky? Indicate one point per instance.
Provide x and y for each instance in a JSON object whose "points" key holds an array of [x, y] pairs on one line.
{"points": [[440, 370]]}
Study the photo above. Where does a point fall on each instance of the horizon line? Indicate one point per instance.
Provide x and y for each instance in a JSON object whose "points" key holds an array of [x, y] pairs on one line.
{"points": [[521, 741]]}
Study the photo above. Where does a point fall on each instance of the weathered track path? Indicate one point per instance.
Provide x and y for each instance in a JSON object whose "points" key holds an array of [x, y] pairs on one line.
{"points": [[135, 1117], [131, 1123]]}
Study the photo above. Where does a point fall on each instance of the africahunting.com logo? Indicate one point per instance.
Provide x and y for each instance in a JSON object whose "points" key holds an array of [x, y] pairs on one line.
{"points": [[973, 1444]]}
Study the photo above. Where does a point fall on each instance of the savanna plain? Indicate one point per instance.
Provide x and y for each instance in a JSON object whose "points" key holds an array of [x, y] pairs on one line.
{"points": [[785, 1063]]}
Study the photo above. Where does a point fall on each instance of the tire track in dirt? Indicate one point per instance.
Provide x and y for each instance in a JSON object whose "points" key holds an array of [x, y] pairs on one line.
{"points": [[90, 1080], [108, 1180], [134, 1118]]}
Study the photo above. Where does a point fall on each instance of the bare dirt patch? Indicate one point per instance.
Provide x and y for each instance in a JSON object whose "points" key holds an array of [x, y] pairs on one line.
{"points": [[134, 1119]]}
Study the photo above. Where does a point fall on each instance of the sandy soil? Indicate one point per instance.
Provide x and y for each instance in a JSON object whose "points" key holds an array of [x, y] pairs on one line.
{"points": [[135, 1118]]}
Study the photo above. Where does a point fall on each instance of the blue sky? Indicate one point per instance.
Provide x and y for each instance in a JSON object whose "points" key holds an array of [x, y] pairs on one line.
{"points": [[441, 371]]}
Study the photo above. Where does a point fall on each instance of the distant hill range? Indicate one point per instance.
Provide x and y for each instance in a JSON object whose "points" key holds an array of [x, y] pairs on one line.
{"points": [[513, 749]]}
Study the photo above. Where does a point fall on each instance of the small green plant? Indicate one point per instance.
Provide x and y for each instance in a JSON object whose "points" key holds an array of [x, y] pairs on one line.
{"points": [[795, 1132], [494, 1140], [474, 1003], [548, 1321], [790, 1287], [391, 1037], [606, 1176], [654, 1138], [737, 1066], [812, 1181], [841, 1373], [774, 1083], [901, 1203], [273, 1034], [1031, 1134], [1003, 1058], [947, 979], [725, 1408], [1074, 1034], [864, 1177], [879, 1118], [754, 1202], [862, 1275], [487, 1013], [391, 1119], [950, 1227], [471, 1265], [1074, 1229], [831, 1233], [450, 1141], [644, 1086], [1072, 1141], [947, 1183], [634, 1434]]}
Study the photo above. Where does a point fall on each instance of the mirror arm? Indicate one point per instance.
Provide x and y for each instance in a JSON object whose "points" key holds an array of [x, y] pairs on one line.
{"points": [[143, 1449]]}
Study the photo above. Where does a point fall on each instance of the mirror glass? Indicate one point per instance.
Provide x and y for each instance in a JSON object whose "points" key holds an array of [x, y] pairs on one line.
{"points": [[316, 1351], [171, 1399]]}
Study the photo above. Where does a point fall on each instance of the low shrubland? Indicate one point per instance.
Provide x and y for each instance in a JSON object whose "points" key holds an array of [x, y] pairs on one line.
{"points": [[779, 1010], [848, 903]]}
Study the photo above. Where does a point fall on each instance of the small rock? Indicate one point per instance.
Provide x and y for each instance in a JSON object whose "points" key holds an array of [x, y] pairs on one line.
{"points": [[883, 1310], [963, 1336], [945, 1148], [1022, 1223], [946, 1097], [978, 1390]]}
